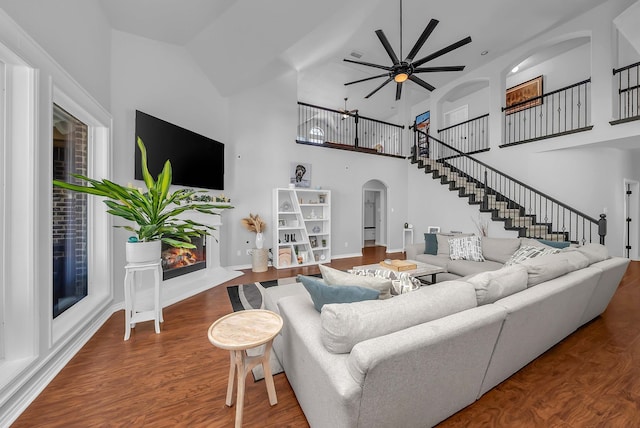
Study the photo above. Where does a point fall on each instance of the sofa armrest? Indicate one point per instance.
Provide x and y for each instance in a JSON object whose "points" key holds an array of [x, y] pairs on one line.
{"points": [[423, 374], [319, 378], [412, 250]]}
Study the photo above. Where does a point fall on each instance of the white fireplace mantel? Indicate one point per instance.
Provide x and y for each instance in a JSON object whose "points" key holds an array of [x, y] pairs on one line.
{"points": [[184, 286]]}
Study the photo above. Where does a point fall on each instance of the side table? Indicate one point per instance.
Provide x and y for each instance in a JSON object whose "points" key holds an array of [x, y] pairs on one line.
{"points": [[406, 231], [133, 313], [238, 332]]}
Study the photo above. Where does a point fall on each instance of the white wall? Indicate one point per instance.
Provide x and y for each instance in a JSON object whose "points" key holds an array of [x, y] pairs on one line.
{"points": [[75, 33], [162, 80], [263, 126]]}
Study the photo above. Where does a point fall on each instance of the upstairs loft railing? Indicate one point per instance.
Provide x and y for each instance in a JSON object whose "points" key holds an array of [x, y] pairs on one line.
{"points": [[628, 82], [525, 209], [336, 129], [470, 136], [560, 112]]}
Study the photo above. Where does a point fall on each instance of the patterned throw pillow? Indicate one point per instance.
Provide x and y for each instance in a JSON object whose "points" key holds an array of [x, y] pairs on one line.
{"points": [[466, 248], [528, 252]]}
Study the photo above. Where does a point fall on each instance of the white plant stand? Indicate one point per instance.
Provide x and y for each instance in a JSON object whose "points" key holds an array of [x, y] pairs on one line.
{"points": [[134, 311]]}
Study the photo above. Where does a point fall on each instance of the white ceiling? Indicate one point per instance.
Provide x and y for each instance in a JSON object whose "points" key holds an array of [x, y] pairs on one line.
{"points": [[242, 43]]}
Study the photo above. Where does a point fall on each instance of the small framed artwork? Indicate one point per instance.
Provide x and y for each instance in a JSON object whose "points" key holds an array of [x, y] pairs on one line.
{"points": [[517, 96], [433, 229], [300, 174], [313, 241]]}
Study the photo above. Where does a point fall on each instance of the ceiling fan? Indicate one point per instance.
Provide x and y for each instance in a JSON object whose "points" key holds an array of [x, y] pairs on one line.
{"points": [[402, 71], [346, 113]]}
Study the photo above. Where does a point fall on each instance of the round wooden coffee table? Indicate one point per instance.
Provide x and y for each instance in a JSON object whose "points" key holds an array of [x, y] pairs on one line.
{"points": [[238, 332]]}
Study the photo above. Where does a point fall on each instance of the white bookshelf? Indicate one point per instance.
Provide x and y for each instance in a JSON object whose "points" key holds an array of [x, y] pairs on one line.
{"points": [[302, 229]]}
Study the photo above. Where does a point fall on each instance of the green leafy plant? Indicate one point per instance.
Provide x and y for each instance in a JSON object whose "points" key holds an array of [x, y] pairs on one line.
{"points": [[155, 212]]}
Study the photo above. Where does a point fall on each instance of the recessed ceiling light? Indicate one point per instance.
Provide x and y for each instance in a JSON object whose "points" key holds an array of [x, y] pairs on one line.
{"points": [[515, 69], [356, 54], [483, 53]]}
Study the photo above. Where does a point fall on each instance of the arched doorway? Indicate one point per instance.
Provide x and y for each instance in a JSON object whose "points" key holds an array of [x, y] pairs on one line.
{"points": [[374, 214]]}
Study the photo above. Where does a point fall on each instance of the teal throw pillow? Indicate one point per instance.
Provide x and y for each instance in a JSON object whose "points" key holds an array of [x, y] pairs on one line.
{"points": [[555, 244], [323, 294], [430, 243]]}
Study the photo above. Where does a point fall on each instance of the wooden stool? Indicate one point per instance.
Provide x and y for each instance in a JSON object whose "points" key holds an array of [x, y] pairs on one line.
{"points": [[133, 314], [238, 332]]}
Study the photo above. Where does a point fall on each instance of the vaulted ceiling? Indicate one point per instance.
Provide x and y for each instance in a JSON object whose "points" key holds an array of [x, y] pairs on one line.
{"points": [[243, 43]]}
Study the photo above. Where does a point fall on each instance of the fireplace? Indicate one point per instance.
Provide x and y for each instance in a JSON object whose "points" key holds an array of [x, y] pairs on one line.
{"points": [[181, 261]]}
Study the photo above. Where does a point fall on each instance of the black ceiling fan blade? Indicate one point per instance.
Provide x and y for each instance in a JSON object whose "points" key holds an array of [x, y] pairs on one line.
{"points": [[367, 78], [442, 51], [368, 64], [398, 91], [423, 38], [421, 82], [435, 69], [387, 47], [379, 87]]}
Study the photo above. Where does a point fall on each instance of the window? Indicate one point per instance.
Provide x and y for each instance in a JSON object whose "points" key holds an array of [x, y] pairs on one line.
{"points": [[69, 220], [316, 135]]}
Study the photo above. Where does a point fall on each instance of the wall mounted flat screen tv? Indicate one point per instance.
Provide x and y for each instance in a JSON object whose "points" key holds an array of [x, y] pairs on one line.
{"points": [[197, 161]]}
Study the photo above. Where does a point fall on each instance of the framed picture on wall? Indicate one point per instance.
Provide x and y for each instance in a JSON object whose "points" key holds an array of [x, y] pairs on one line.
{"points": [[517, 95], [433, 229], [300, 174], [423, 121]]}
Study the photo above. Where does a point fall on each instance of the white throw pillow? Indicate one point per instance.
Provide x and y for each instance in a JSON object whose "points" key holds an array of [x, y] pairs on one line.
{"points": [[526, 252], [466, 248], [337, 277]]}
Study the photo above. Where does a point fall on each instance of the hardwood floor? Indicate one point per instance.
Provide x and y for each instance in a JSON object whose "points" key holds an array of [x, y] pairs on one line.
{"points": [[177, 378]]}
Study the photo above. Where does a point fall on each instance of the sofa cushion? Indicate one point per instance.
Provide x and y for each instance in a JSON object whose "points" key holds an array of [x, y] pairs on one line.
{"points": [[494, 285], [466, 248], [544, 269], [499, 249], [531, 242], [337, 277], [555, 244], [322, 294], [528, 252], [438, 260], [467, 267], [594, 252], [343, 326], [430, 243]]}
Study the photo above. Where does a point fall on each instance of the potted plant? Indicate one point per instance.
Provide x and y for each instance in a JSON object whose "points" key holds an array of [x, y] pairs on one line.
{"points": [[155, 212]]}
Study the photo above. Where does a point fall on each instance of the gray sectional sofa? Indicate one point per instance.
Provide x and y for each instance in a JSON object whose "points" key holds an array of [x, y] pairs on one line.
{"points": [[417, 358]]}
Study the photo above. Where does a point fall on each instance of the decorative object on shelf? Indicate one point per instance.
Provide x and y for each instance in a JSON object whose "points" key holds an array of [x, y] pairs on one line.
{"points": [[285, 207], [313, 214], [316, 229], [254, 223], [322, 198], [313, 241], [154, 212], [221, 198], [300, 174], [406, 225]]}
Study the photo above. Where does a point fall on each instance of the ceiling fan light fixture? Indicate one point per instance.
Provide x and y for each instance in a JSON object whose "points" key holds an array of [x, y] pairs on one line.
{"points": [[400, 77]]}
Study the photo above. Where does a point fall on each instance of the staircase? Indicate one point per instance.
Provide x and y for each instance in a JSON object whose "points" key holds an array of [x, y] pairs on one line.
{"points": [[521, 208]]}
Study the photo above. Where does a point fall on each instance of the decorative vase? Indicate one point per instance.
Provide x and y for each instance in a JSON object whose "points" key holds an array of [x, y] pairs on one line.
{"points": [[143, 252], [259, 240]]}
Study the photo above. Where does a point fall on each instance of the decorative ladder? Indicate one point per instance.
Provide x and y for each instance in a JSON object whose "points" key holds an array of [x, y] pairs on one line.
{"points": [[522, 208]]}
